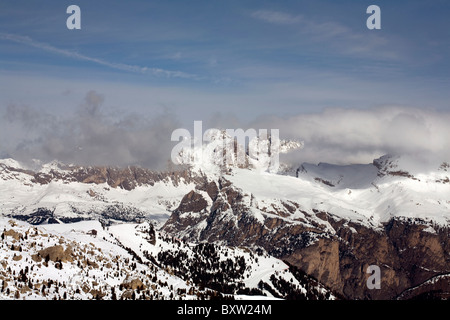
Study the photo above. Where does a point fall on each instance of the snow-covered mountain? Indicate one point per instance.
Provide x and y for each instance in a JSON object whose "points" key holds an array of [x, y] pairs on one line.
{"points": [[64, 193], [327, 221]]}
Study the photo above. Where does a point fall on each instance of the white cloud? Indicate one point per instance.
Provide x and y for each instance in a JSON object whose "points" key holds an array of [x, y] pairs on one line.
{"points": [[276, 17], [336, 135], [89, 136], [358, 136], [341, 38]]}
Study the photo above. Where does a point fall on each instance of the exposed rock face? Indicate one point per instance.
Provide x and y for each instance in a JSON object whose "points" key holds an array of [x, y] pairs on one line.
{"points": [[133, 284], [408, 252], [191, 211], [193, 202], [12, 233], [125, 178], [57, 253], [320, 260]]}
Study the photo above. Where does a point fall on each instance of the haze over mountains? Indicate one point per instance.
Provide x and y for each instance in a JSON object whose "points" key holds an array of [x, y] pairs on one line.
{"points": [[94, 133]]}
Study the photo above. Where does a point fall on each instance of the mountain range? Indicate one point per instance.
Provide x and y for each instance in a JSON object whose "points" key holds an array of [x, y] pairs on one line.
{"points": [[209, 230]]}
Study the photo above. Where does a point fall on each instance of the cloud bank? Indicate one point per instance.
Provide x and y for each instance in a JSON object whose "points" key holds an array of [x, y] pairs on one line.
{"points": [[91, 136], [345, 136]]}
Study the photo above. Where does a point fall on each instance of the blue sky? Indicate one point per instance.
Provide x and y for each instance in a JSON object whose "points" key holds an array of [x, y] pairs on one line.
{"points": [[226, 61]]}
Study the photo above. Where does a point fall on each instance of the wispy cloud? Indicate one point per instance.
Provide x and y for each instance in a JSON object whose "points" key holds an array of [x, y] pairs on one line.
{"points": [[318, 29], [336, 35], [78, 56], [276, 17]]}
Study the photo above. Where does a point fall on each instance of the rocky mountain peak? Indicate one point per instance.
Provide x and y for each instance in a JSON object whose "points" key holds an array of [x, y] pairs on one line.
{"points": [[222, 150]]}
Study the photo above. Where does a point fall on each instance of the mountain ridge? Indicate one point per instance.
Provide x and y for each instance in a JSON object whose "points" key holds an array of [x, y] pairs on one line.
{"points": [[329, 221]]}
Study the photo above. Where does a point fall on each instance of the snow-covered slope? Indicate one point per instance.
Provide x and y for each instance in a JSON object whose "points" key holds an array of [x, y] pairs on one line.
{"points": [[63, 198], [355, 192], [390, 187], [83, 260], [65, 261]]}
